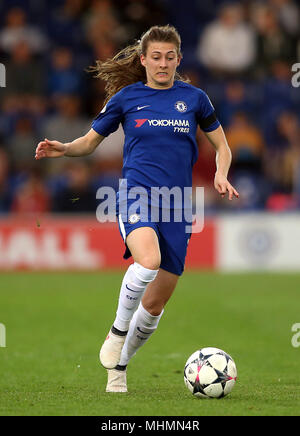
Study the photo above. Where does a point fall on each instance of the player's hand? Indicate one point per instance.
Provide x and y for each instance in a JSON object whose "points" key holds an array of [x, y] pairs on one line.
{"points": [[223, 186], [48, 148]]}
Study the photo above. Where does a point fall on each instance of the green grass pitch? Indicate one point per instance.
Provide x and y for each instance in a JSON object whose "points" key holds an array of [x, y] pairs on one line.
{"points": [[56, 322]]}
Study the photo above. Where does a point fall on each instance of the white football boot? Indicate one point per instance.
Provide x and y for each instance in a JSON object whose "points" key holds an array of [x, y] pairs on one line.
{"points": [[110, 351], [116, 381]]}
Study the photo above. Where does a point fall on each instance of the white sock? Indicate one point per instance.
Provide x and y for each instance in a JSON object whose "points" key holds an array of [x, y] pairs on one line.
{"points": [[133, 287], [142, 326]]}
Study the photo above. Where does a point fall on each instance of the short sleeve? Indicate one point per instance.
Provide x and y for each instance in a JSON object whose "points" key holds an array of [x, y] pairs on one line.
{"points": [[206, 115], [110, 117]]}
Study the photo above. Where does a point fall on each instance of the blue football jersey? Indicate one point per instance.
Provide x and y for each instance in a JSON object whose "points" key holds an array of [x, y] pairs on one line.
{"points": [[160, 125]]}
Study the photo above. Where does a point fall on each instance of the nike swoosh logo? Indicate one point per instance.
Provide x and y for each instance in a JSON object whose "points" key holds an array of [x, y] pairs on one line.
{"points": [[132, 290], [142, 107]]}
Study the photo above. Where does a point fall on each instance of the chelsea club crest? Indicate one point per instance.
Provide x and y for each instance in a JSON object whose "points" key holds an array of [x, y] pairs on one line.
{"points": [[134, 218], [181, 106]]}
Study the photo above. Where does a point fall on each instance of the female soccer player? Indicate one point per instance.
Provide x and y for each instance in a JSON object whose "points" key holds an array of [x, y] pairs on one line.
{"points": [[159, 112]]}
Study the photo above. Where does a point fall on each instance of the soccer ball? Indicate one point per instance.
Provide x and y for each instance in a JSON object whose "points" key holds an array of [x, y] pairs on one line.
{"points": [[210, 372]]}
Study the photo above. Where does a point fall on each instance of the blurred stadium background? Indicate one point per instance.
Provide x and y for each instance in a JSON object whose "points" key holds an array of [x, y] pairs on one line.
{"points": [[241, 53]]}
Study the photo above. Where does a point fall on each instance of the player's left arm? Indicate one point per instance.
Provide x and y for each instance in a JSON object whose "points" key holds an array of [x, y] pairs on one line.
{"points": [[223, 161]]}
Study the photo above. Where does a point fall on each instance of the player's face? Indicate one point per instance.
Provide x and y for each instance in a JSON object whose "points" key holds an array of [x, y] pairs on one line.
{"points": [[160, 61]]}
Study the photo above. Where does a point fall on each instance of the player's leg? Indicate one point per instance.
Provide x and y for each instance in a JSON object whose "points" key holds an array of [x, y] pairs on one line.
{"points": [[144, 247], [173, 246], [143, 324], [146, 318], [159, 292]]}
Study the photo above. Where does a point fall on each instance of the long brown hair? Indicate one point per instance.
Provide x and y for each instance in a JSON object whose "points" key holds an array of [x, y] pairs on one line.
{"points": [[125, 67]]}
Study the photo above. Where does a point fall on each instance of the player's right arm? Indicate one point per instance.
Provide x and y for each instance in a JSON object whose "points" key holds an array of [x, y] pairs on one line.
{"points": [[79, 147]]}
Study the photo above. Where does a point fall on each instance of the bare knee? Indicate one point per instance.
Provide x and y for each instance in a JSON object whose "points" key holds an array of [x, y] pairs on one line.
{"points": [[153, 304], [144, 247], [159, 292], [153, 307], [150, 261]]}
